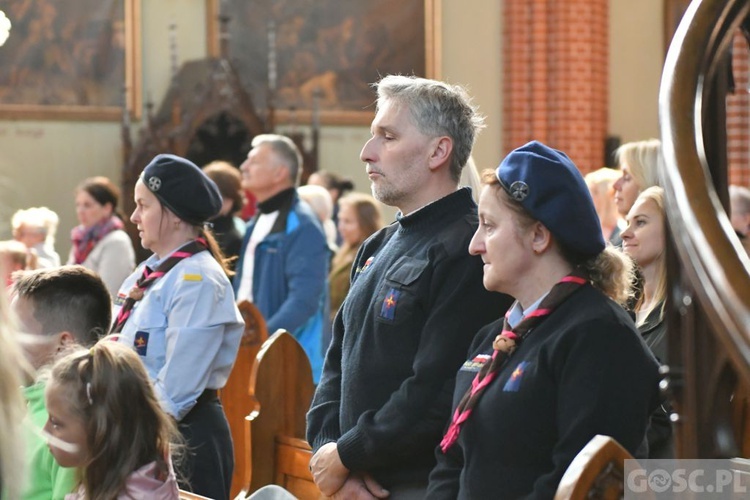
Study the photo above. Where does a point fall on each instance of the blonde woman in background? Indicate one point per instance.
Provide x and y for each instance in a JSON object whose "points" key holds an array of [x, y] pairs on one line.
{"points": [[601, 186], [36, 228], [470, 177], [644, 240], [639, 162]]}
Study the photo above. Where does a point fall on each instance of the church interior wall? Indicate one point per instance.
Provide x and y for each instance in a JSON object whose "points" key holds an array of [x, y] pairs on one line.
{"points": [[41, 162]]}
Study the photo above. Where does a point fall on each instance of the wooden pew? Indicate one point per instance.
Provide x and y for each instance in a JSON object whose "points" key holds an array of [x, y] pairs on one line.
{"points": [[292, 468], [235, 397], [596, 472], [281, 389]]}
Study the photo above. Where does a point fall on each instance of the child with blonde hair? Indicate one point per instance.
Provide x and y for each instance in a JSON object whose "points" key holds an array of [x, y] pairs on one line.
{"points": [[105, 420]]}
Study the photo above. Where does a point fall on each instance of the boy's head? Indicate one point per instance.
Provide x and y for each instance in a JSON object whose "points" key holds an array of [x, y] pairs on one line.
{"points": [[68, 304]]}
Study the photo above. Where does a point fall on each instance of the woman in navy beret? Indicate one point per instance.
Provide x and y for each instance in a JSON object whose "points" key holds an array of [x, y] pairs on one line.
{"points": [[177, 311], [566, 362]]}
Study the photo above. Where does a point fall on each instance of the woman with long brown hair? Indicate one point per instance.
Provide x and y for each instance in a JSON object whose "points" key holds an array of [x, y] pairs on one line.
{"points": [[177, 311]]}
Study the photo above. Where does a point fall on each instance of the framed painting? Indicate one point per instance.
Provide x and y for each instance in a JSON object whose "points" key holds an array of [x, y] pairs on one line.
{"points": [[71, 60], [296, 51]]}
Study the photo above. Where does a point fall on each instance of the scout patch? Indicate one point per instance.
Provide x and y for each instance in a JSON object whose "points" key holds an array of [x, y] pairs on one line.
{"points": [[514, 382], [120, 299], [476, 363], [192, 277], [388, 309], [141, 343], [367, 264]]}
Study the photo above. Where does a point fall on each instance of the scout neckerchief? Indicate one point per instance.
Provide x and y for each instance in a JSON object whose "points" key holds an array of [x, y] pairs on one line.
{"points": [[504, 345], [148, 277]]}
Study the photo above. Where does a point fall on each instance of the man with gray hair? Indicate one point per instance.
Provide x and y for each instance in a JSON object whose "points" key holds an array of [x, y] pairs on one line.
{"points": [[283, 263], [416, 300]]}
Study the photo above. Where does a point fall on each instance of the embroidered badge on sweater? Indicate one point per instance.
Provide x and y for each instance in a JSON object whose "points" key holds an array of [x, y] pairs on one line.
{"points": [[514, 382], [364, 267], [141, 343], [388, 309], [476, 363]]}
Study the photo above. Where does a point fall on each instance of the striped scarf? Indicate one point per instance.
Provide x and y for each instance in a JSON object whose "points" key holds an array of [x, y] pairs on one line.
{"points": [[149, 277], [85, 239], [504, 345]]}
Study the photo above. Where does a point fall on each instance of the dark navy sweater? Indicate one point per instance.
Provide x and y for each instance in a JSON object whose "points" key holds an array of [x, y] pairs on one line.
{"points": [[415, 303]]}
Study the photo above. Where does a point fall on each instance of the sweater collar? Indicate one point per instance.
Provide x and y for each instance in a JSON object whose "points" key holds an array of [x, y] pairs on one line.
{"points": [[277, 201], [446, 208]]}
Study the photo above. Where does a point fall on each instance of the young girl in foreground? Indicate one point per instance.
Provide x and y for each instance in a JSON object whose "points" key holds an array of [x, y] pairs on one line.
{"points": [[105, 420]]}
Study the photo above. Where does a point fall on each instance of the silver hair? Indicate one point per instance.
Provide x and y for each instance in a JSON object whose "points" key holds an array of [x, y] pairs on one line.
{"points": [[437, 109], [286, 151]]}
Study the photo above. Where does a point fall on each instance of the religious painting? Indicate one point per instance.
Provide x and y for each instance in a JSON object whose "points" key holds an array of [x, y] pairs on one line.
{"points": [[70, 60], [294, 53]]}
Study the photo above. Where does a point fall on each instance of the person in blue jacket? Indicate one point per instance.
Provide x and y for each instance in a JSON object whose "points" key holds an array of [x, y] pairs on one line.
{"points": [[177, 311], [283, 264]]}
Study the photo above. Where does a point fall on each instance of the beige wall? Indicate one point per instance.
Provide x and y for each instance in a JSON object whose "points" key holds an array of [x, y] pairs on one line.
{"points": [[636, 57], [472, 38], [42, 162]]}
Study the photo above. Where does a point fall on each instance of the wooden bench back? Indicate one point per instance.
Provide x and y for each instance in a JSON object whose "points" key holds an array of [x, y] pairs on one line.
{"points": [[235, 396], [281, 389], [596, 472]]}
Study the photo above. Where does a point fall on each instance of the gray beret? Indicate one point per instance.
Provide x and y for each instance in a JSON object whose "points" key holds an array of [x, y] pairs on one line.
{"points": [[183, 188]]}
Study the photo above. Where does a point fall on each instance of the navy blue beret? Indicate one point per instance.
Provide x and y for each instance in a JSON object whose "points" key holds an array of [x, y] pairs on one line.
{"points": [[549, 186], [183, 188]]}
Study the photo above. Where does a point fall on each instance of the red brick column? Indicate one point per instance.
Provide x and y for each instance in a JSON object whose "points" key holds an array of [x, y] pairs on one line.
{"points": [[738, 115], [555, 76]]}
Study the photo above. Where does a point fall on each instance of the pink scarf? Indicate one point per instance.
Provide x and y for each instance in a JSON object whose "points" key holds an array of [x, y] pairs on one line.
{"points": [[85, 239]]}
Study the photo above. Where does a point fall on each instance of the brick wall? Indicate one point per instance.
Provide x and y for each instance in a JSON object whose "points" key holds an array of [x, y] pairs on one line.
{"points": [[555, 76], [738, 115]]}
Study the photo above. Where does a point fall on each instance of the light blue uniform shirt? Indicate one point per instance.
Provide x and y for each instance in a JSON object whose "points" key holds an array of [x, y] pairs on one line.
{"points": [[516, 314], [186, 328]]}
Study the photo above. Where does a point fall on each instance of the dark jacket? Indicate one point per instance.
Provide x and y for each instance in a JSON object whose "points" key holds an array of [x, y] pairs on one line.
{"points": [[583, 371], [660, 434], [415, 302]]}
